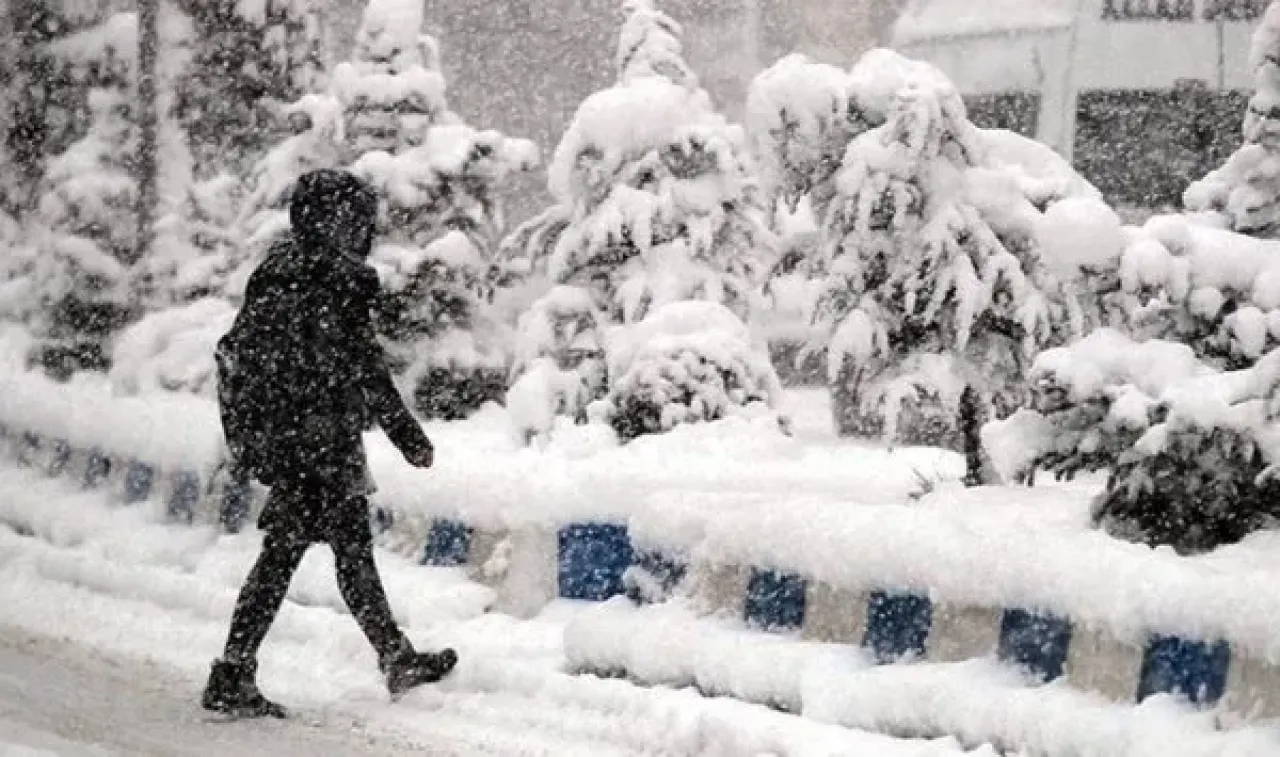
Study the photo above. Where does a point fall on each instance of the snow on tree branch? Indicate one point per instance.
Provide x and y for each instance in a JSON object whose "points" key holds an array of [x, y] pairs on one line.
{"points": [[1244, 194]]}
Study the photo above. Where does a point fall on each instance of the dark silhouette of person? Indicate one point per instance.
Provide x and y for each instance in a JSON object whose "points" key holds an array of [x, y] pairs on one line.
{"points": [[300, 378]]}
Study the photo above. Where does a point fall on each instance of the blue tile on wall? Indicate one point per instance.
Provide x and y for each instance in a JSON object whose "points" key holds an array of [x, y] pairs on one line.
{"points": [[97, 468], [665, 573], [897, 625], [448, 543], [138, 478], [1195, 669], [591, 560], [1036, 641], [775, 600], [237, 503], [185, 496]]}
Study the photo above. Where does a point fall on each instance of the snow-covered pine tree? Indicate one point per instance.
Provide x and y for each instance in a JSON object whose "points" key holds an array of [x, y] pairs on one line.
{"points": [[655, 198], [385, 118], [1244, 194], [97, 51], [250, 58], [263, 215], [197, 247], [88, 201], [64, 49], [938, 281], [442, 215], [801, 116]]}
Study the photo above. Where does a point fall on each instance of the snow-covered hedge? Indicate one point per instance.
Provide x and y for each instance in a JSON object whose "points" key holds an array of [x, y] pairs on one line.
{"points": [[688, 362], [1190, 449]]}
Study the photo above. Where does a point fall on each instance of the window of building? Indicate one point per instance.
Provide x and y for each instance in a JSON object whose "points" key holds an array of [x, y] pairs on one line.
{"points": [[1234, 10], [1149, 10]]}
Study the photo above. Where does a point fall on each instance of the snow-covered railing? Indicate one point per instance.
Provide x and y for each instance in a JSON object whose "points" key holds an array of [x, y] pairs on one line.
{"points": [[969, 577], [780, 554]]}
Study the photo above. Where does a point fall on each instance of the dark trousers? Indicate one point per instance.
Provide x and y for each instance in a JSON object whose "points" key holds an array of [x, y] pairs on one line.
{"points": [[282, 550]]}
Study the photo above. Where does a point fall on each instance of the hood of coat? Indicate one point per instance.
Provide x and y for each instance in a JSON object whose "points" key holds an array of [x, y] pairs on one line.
{"points": [[334, 213]]}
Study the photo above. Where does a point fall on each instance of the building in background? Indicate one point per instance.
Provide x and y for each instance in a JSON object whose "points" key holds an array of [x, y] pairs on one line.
{"points": [[1145, 95], [523, 66]]}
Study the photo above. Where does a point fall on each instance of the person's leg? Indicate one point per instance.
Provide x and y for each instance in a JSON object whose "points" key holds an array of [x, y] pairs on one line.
{"points": [[232, 686], [362, 590], [359, 581], [262, 595]]}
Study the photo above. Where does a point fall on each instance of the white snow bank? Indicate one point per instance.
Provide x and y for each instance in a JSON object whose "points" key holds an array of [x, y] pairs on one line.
{"points": [[172, 350], [169, 429], [978, 701], [484, 474]]}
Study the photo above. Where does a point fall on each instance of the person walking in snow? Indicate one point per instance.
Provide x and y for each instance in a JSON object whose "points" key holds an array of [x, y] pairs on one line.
{"points": [[300, 378]]}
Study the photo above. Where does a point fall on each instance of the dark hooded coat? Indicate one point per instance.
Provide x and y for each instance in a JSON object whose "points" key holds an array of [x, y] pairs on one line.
{"points": [[301, 374]]}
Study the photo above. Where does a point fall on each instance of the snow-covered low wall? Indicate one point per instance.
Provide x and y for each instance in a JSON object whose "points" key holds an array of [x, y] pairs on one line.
{"points": [[813, 551]]}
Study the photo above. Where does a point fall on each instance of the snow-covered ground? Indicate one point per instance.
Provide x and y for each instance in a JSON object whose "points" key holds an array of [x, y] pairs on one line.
{"points": [[108, 621], [120, 590]]}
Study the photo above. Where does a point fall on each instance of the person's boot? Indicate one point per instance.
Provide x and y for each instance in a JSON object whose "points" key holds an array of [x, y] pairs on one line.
{"points": [[233, 690], [405, 668]]}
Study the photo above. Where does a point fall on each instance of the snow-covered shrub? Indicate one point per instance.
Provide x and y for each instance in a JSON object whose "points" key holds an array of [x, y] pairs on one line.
{"points": [[688, 362], [560, 367], [1190, 449], [80, 277], [443, 338], [1212, 289], [655, 196], [1244, 194], [943, 259], [172, 349], [1092, 401]]}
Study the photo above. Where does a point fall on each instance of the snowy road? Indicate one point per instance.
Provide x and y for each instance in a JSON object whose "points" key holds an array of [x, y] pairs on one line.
{"points": [[108, 621], [57, 697]]}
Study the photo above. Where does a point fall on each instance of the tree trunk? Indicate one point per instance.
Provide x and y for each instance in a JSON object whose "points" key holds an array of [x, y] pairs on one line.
{"points": [[971, 432], [33, 28], [148, 44]]}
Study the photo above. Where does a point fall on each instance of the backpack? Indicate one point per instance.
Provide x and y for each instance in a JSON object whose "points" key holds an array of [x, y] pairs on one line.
{"points": [[270, 369], [242, 410]]}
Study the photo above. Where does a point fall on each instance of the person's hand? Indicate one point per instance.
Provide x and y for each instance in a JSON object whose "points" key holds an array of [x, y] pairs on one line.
{"points": [[423, 459]]}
